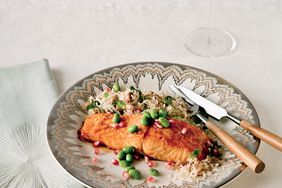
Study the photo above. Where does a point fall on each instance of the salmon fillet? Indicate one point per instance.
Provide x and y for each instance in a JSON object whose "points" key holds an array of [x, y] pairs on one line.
{"points": [[166, 144], [169, 144], [99, 127]]}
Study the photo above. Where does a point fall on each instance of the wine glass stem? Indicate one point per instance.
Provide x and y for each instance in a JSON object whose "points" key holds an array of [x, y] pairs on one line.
{"points": [[211, 21]]}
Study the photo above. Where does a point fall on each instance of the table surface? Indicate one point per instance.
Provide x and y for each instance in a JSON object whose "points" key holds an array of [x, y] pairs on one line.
{"points": [[81, 37]]}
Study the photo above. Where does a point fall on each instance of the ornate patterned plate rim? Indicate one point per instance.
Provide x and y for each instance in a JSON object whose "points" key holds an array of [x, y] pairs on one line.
{"points": [[164, 64]]}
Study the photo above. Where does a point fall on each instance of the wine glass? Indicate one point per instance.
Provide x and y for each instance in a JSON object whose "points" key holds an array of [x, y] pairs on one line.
{"points": [[211, 41]]}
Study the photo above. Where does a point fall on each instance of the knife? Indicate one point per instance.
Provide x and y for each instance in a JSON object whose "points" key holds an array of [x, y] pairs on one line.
{"points": [[218, 112], [232, 144]]}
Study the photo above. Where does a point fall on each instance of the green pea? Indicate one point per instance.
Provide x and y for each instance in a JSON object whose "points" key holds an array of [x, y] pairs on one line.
{"points": [[145, 121], [116, 118], [120, 104], [116, 87], [164, 122], [162, 113], [132, 129], [154, 114], [129, 158], [128, 149], [124, 163], [121, 155], [129, 168], [147, 114], [135, 174], [106, 94], [154, 172]]}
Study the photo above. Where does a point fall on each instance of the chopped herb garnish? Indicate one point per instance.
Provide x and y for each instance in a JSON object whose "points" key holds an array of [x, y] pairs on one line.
{"points": [[114, 103], [90, 106], [177, 117], [195, 120], [195, 153], [167, 100], [141, 96], [132, 88], [93, 105]]}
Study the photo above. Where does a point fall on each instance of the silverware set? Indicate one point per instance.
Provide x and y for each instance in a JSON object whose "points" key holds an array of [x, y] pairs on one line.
{"points": [[203, 108]]}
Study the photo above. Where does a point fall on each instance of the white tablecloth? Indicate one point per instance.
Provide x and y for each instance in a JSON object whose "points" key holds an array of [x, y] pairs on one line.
{"points": [[81, 37]]}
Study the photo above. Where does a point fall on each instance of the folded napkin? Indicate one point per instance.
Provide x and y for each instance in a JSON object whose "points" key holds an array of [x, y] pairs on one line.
{"points": [[27, 93]]}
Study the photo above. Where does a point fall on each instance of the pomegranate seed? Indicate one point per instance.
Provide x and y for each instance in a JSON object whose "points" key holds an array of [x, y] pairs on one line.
{"points": [[96, 143], [169, 165], [116, 151], [121, 124], [146, 159], [150, 179], [96, 151], [151, 163], [129, 112], [127, 98], [184, 130], [171, 121], [216, 152], [129, 107], [210, 143], [115, 162], [81, 138], [205, 150], [138, 111], [125, 174], [137, 157], [94, 160], [157, 123], [114, 125]]}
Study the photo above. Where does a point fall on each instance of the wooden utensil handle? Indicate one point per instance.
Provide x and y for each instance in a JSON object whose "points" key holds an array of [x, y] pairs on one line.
{"points": [[263, 134], [235, 147]]}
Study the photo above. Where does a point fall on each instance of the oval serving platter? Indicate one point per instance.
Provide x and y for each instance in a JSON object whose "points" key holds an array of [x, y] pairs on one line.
{"points": [[76, 156]]}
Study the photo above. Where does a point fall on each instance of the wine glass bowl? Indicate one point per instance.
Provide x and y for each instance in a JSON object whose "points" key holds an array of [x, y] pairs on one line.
{"points": [[211, 42]]}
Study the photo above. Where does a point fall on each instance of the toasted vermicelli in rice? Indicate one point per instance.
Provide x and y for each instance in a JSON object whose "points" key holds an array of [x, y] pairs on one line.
{"points": [[133, 101], [197, 169]]}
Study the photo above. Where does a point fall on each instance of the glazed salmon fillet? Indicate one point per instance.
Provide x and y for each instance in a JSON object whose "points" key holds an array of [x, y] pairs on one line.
{"points": [[169, 144], [99, 127], [166, 144]]}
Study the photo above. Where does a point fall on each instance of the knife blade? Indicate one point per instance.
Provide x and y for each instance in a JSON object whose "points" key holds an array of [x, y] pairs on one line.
{"points": [[218, 112], [211, 108], [181, 94]]}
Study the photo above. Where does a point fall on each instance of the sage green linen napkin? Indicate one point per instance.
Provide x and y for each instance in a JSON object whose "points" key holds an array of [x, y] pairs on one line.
{"points": [[27, 93]]}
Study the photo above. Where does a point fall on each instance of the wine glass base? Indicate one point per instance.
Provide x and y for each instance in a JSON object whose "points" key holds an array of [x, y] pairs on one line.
{"points": [[211, 42]]}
